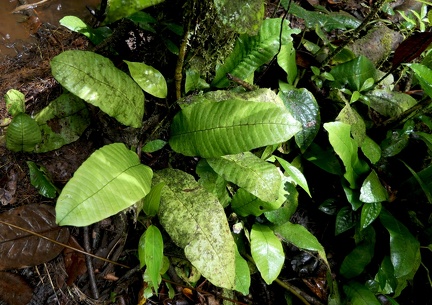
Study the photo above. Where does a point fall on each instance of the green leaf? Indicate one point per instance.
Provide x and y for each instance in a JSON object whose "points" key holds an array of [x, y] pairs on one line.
{"points": [[152, 200], [371, 150], [62, 122], [258, 177], [304, 108], [389, 103], [153, 254], [346, 148], [284, 213], [118, 9], [75, 24], [23, 133], [372, 189], [424, 76], [148, 78], [196, 221], [425, 188], [213, 129], [251, 52], [358, 294], [324, 159], [385, 278], [242, 274], [404, 248], [358, 127], [212, 182], [40, 180], [96, 80], [240, 17], [370, 212], [267, 252], [286, 59], [295, 174], [356, 261], [345, 220], [354, 72], [194, 81], [153, 146], [300, 237], [15, 102], [109, 181]]}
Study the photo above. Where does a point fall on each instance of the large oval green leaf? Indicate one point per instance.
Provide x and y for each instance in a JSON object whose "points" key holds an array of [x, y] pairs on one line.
{"points": [[196, 221], [23, 133], [255, 175], [148, 78], [213, 129], [109, 181], [355, 72], [96, 80], [251, 52], [267, 252]]}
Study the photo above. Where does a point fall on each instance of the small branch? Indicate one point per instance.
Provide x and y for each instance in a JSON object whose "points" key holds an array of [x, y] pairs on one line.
{"points": [[90, 270], [178, 75]]}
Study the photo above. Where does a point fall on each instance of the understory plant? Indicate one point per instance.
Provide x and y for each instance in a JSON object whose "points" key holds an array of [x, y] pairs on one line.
{"points": [[251, 145]]}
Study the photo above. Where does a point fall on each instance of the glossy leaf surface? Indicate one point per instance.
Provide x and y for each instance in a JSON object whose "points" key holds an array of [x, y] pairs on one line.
{"points": [[196, 222], [372, 189], [96, 80], [389, 103], [242, 278], [19, 249], [250, 52], [267, 252], [40, 180], [23, 133], [148, 78], [295, 174], [355, 72], [359, 294], [153, 254], [213, 129], [255, 175], [424, 75], [109, 181]]}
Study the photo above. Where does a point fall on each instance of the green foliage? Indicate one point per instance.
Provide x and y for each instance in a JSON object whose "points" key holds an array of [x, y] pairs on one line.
{"points": [[118, 9], [109, 181], [23, 133], [15, 102], [148, 78], [39, 179], [97, 81]]}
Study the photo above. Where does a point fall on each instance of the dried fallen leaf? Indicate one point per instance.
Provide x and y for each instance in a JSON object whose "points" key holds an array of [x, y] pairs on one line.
{"points": [[20, 249], [14, 290]]}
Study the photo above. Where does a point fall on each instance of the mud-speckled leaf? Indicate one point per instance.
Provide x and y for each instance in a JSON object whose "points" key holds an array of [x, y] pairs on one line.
{"points": [[251, 52], [40, 180], [349, 116], [255, 175], [196, 221], [213, 129], [19, 249], [301, 238], [240, 16], [148, 78], [389, 103], [109, 181], [23, 133], [358, 294], [15, 102], [304, 108], [96, 80], [118, 9], [372, 189], [267, 252], [62, 122]]}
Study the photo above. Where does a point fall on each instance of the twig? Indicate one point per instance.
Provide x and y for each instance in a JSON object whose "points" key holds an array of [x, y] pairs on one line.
{"points": [[374, 10], [28, 6], [90, 270], [178, 75]]}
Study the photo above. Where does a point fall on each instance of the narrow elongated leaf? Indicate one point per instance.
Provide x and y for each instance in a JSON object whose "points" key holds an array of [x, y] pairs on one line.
{"points": [[15, 102], [358, 294], [424, 75], [287, 61], [304, 108], [40, 180], [301, 238], [267, 252], [118, 9], [110, 180], [152, 200], [404, 248], [196, 221], [250, 52], [153, 254], [23, 133], [96, 80], [242, 279], [354, 72], [213, 129], [148, 78], [19, 249], [372, 189], [295, 174], [62, 122], [347, 150], [256, 176]]}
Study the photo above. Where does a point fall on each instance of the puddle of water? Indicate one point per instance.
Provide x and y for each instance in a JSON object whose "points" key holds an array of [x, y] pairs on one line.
{"points": [[16, 29]]}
